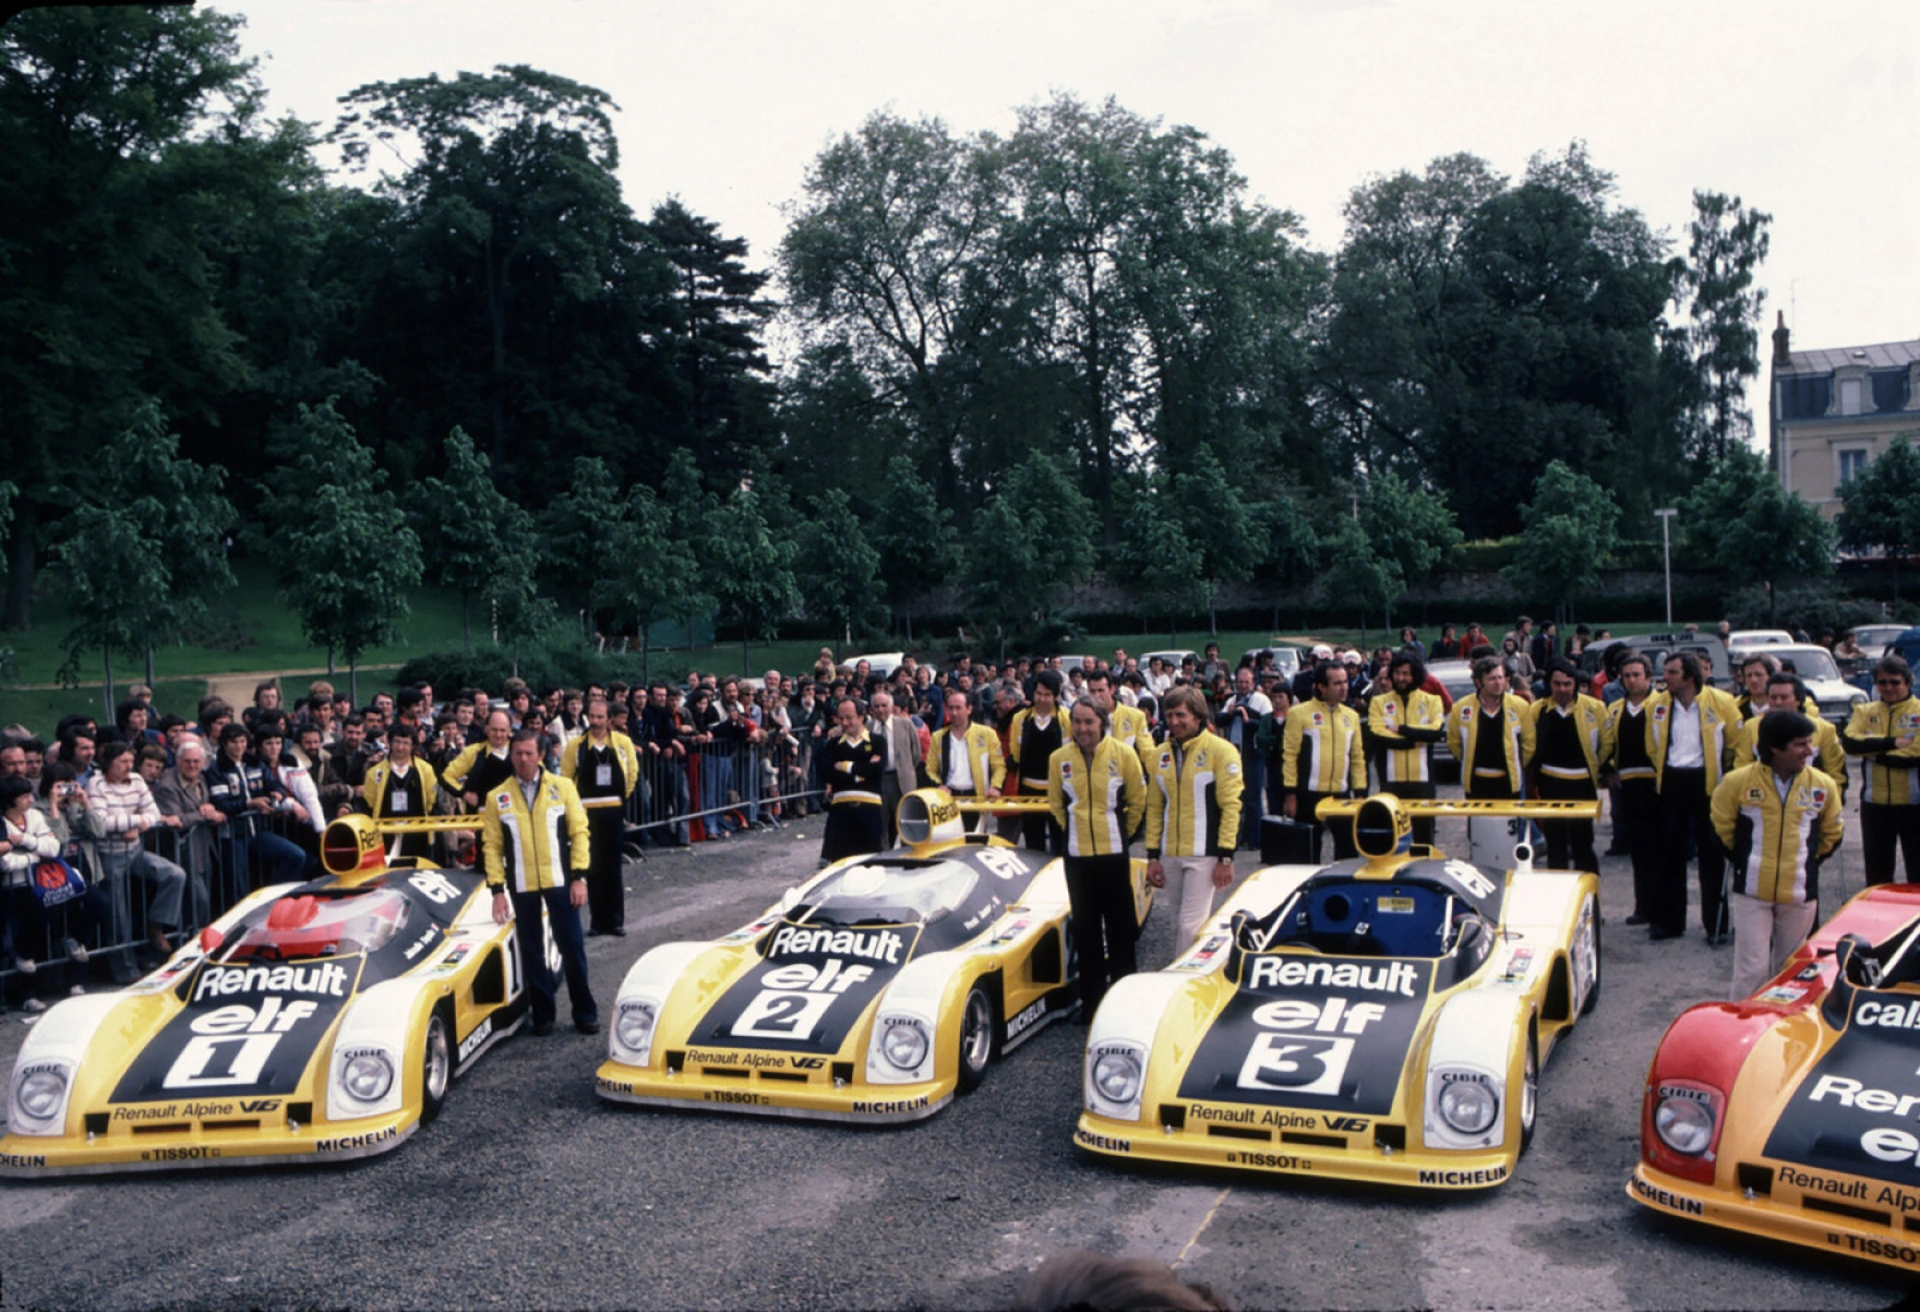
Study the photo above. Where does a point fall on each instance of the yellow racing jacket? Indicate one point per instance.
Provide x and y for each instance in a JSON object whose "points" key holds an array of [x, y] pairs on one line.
{"points": [[1193, 798], [1097, 803], [1321, 749], [529, 850], [1776, 846], [1890, 774], [1403, 725]]}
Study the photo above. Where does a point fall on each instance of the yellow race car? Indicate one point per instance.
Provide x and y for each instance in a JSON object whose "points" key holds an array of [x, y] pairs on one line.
{"points": [[872, 993], [316, 1021], [1377, 1019], [1795, 1113]]}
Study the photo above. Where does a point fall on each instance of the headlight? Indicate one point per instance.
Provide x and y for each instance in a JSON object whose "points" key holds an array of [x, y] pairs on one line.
{"points": [[1468, 1106], [904, 1045], [40, 1093], [1117, 1076], [633, 1027], [367, 1076], [1684, 1125]]}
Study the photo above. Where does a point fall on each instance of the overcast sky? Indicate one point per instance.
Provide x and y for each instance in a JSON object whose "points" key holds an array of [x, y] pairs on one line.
{"points": [[1808, 114]]}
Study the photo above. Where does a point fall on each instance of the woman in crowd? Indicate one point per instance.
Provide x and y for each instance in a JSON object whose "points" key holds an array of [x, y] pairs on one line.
{"points": [[26, 840]]}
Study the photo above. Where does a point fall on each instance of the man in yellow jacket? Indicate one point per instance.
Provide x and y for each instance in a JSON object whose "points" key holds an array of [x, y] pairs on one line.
{"points": [[401, 787], [1783, 694], [1404, 720], [1885, 734], [1569, 746], [1778, 819], [604, 769], [1097, 795], [535, 837], [1193, 812], [965, 758], [1689, 739], [1322, 755]]}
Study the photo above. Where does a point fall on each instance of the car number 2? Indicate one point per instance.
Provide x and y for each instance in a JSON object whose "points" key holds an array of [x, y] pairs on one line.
{"points": [[1296, 1063], [775, 1014]]}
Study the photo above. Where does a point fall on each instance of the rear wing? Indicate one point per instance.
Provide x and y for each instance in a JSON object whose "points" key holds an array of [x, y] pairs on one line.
{"points": [[355, 844], [932, 815], [1382, 821]]}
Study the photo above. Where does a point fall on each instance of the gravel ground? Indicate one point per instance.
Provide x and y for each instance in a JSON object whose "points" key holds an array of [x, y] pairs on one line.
{"points": [[530, 1192]]}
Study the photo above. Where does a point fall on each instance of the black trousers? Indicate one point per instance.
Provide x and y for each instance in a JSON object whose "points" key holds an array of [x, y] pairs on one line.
{"points": [[1686, 824], [1422, 825], [1881, 828], [606, 889], [1342, 829], [890, 808], [1100, 891], [542, 998], [1569, 842], [1636, 826], [853, 829]]}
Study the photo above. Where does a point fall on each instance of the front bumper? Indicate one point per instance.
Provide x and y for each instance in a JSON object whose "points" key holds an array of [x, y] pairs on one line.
{"points": [[1830, 1232], [274, 1142], [1363, 1161], [819, 1097]]}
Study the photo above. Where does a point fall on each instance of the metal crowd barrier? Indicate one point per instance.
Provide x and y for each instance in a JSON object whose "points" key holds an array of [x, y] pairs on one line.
{"points": [[720, 788]]}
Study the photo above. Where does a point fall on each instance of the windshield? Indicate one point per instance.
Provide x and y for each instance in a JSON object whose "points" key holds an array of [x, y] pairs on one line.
{"points": [[892, 892], [1810, 662], [303, 927]]}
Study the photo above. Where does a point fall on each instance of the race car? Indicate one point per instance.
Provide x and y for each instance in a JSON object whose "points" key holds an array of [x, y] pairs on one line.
{"points": [[871, 993], [314, 1021], [1795, 1113], [1381, 1018]]}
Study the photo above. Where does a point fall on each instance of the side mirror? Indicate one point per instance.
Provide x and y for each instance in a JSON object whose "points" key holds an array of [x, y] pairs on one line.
{"points": [[1853, 968]]}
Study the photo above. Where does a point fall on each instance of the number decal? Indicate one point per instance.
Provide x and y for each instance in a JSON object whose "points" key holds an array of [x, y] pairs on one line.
{"points": [[434, 887], [208, 1061], [1301, 1064], [1002, 862], [1470, 878], [776, 1014]]}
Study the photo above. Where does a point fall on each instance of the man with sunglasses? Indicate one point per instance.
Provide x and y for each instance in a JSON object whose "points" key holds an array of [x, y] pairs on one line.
{"points": [[1886, 734]]}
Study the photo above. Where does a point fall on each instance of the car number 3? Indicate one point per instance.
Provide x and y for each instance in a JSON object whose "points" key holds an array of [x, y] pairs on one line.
{"points": [[775, 1014], [1295, 1063]]}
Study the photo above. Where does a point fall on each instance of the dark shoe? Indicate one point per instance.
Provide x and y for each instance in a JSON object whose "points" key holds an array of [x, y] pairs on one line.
{"points": [[1659, 935], [587, 1026], [542, 1028], [595, 932], [1636, 919], [1715, 940], [618, 931]]}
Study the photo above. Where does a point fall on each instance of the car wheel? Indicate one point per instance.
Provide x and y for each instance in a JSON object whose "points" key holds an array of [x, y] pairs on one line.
{"points": [[1593, 986], [436, 1065], [976, 1037], [1530, 1088]]}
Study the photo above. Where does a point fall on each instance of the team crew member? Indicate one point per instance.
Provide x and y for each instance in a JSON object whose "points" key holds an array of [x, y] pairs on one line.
{"points": [[1636, 802], [1783, 694], [1887, 734], [1322, 755], [401, 788], [1037, 732], [964, 758], [604, 769], [484, 766], [534, 832], [1193, 811], [1490, 735], [1689, 740], [1098, 795], [1404, 722], [851, 763], [1569, 743], [1779, 819], [901, 740], [1127, 724]]}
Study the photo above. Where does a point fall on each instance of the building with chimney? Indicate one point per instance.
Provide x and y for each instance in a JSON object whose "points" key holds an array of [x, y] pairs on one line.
{"points": [[1835, 410]]}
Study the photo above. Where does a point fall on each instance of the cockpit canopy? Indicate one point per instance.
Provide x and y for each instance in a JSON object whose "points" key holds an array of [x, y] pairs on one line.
{"points": [[303, 926]]}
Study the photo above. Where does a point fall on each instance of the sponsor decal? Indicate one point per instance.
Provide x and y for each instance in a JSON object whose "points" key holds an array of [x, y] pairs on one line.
{"points": [[1011, 929], [1088, 1139], [22, 1162], [1347, 1124], [811, 990], [328, 979], [869, 945], [1671, 1201], [1023, 1022], [348, 1142], [761, 1061], [606, 1085], [1066, 769], [421, 944], [1904, 1015], [251, 1105], [1898, 1199], [1857, 1112], [183, 1153], [1283, 1041], [1807, 1182], [471, 1044], [504, 803], [806, 1063], [1518, 965], [1395, 906], [733, 1096], [1781, 993], [888, 1108], [1885, 1249], [1700, 1096], [1809, 972], [453, 959], [1272, 1161], [1465, 1179]]}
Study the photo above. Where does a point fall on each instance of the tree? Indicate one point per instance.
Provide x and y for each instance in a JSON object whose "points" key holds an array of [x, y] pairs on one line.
{"points": [[1358, 574], [1880, 509], [473, 539], [144, 546], [1216, 523], [1726, 242], [1571, 525], [1157, 556], [747, 569], [655, 574], [579, 533], [913, 536], [109, 298], [1740, 519], [839, 569], [1031, 546], [1410, 528], [339, 542]]}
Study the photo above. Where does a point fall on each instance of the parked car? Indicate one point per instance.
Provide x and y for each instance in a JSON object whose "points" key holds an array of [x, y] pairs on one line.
{"points": [[1816, 668], [1656, 647], [1758, 638]]}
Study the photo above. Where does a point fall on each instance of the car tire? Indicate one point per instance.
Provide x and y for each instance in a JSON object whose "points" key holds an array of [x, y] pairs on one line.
{"points": [[1530, 1087], [979, 1021], [436, 1064]]}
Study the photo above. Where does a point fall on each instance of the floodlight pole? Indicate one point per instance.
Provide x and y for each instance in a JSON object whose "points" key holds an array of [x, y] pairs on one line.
{"points": [[1666, 557]]}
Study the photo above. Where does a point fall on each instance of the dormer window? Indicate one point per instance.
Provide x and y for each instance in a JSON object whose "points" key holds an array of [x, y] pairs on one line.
{"points": [[1852, 391]]}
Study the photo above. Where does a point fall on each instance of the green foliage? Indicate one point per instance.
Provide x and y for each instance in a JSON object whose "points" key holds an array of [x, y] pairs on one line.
{"points": [[1032, 545], [474, 540], [1813, 608], [1880, 508], [748, 570], [655, 576], [1571, 525], [1357, 575], [1157, 557], [913, 535], [1726, 242], [1409, 527], [339, 543], [1486, 555], [838, 569], [580, 535], [1741, 520], [144, 545]]}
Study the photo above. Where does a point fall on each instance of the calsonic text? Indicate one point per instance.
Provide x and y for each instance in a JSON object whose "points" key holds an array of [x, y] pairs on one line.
{"points": [[326, 980], [1266, 972], [875, 945]]}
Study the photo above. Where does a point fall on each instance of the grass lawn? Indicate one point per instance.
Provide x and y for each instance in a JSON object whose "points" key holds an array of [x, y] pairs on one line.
{"points": [[40, 709]]}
